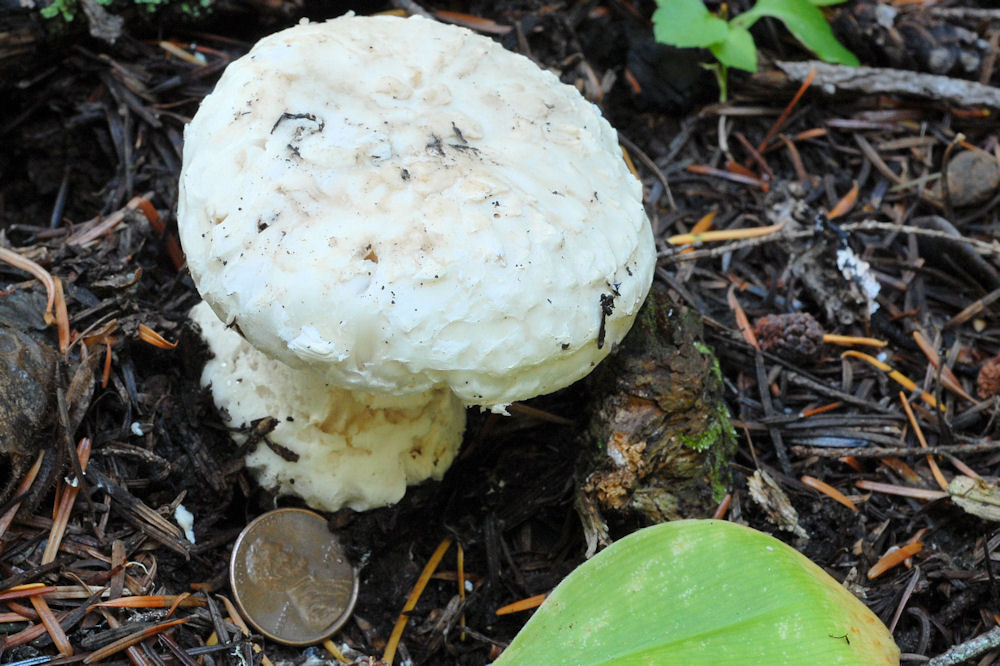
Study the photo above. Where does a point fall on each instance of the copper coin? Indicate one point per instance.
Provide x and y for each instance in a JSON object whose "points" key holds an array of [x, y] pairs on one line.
{"points": [[291, 578]]}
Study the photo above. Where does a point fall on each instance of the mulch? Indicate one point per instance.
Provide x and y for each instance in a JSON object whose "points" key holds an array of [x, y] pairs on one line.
{"points": [[850, 452]]}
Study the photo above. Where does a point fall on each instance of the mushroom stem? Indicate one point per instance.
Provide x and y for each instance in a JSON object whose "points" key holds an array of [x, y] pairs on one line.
{"points": [[330, 446]]}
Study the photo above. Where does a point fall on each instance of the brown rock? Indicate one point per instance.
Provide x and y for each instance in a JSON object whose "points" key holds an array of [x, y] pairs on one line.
{"points": [[973, 177], [27, 375]]}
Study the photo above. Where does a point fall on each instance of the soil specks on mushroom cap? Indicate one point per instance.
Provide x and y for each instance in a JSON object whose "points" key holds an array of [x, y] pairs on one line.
{"points": [[460, 160]]}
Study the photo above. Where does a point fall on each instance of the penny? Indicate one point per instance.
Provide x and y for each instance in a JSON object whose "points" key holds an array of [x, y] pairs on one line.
{"points": [[291, 578]]}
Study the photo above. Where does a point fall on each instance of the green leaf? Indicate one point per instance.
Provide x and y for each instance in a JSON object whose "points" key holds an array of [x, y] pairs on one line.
{"points": [[687, 23], [806, 22], [695, 592], [65, 8], [738, 50]]}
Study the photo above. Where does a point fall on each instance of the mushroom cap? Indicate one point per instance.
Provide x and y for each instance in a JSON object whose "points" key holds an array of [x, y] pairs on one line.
{"points": [[354, 449], [401, 204]]}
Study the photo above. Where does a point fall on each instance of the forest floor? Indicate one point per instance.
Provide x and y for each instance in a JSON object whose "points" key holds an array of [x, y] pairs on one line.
{"points": [[850, 162]]}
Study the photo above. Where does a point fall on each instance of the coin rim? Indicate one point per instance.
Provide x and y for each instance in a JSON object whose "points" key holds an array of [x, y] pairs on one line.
{"points": [[337, 624]]}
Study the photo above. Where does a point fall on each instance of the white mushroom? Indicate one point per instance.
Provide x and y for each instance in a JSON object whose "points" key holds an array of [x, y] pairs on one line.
{"points": [[397, 206]]}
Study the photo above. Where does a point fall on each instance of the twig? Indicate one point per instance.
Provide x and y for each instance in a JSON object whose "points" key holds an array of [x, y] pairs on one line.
{"points": [[55, 304], [765, 399], [871, 225], [889, 451], [787, 111], [969, 649], [651, 165], [867, 225]]}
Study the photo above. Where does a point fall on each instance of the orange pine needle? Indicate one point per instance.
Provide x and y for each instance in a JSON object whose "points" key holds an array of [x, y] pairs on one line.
{"points": [[853, 463], [902, 491], [12, 617], [460, 573], [129, 641], [237, 619], [146, 334], [742, 322], [724, 235], [740, 170], [821, 410], [894, 558], [897, 376], [723, 508], [904, 470], [829, 491], [332, 648], [64, 506], [705, 222], [51, 624], [705, 170], [411, 601], [171, 601], [472, 22], [762, 146], [629, 163], [849, 340], [179, 601], [24, 591], [181, 54], [522, 605], [813, 133], [61, 317], [147, 208], [701, 226], [102, 334], [845, 204], [935, 470], [632, 82], [106, 371]]}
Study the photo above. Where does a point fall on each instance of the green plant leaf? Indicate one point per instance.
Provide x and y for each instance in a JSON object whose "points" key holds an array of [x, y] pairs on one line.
{"points": [[695, 592], [687, 23], [737, 50], [806, 23]]}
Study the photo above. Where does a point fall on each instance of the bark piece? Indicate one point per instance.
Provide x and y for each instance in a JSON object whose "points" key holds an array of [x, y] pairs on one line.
{"points": [[659, 436], [27, 375], [875, 80]]}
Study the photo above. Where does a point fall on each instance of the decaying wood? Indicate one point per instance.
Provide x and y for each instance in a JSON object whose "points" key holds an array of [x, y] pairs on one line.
{"points": [[833, 79], [659, 435]]}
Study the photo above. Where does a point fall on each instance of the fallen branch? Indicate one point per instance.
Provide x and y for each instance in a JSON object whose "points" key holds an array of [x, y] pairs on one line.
{"points": [[888, 451], [882, 81]]}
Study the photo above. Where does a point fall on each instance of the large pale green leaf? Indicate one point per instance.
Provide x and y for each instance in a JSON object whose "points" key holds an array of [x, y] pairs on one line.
{"points": [[701, 592], [806, 22], [687, 23]]}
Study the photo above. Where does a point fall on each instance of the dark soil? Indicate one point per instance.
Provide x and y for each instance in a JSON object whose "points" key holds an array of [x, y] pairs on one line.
{"points": [[87, 127]]}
